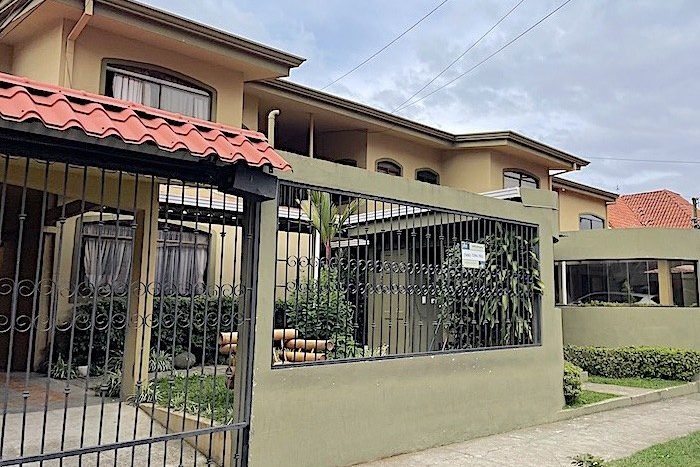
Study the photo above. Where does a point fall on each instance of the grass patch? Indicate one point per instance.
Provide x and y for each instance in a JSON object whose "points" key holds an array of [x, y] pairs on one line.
{"points": [[589, 397], [206, 396], [679, 452], [645, 383]]}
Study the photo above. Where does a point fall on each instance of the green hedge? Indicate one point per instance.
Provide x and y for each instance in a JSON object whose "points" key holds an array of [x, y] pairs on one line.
{"points": [[636, 362], [572, 382]]}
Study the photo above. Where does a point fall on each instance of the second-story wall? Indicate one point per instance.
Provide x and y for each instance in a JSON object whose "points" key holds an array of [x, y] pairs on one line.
{"points": [[467, 170], [96, 45], [409, 154], [6, 53], [347, 144], [39, 55], [572, 205]]}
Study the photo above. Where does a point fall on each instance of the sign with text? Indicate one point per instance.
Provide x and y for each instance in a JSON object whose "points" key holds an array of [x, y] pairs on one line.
{"points": [[473, 255]]}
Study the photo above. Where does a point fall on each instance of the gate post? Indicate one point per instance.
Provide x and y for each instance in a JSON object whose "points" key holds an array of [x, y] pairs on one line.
{"points": [[137, 345]]}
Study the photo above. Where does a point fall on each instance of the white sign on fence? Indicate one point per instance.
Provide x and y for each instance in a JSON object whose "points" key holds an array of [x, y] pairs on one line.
{"points": [[473, 255]]}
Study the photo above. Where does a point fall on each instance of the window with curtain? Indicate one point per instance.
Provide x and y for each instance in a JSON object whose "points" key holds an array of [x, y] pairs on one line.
{"points": [[181, 259], [590, 222], [389, 167], [428, 176], [517, 179], [159, 90]]}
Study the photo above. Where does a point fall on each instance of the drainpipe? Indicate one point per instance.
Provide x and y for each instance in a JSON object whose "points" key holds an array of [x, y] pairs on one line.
{"points": [[271, 126], [70, 42]]}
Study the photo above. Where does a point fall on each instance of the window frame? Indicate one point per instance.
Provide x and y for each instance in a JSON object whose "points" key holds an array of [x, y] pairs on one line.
{"points": [[379, 162], [429, 171], [591, 217], [111, 65], [520, 173]]}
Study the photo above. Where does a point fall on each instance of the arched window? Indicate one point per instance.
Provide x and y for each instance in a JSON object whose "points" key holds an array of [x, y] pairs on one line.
{"points": [[428, 176], [389, 167], [158, 89], [590, 222], [518, 178]]}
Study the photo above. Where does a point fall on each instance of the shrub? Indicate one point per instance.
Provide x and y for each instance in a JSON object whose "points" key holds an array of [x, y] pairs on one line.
{"points": [[320, 308], [587, 460], [636, 362], [572, 382]]}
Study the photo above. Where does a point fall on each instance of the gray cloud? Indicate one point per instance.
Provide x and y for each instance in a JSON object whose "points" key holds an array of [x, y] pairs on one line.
{"points": [[599, 78]]}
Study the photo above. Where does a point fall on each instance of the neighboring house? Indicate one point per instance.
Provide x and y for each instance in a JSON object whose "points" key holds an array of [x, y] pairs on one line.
{"points": [[581, 207], [656, 209]]}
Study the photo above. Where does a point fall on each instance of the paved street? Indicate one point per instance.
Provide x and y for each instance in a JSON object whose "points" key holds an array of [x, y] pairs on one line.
{"points": [[611, 435]]}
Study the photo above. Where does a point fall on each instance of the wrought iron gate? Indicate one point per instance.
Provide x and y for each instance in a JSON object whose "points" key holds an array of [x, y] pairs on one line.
{"points": [[125, 305]]}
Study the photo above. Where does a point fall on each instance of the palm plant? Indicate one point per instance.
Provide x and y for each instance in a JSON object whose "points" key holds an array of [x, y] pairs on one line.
{"points": [[326, 217]]}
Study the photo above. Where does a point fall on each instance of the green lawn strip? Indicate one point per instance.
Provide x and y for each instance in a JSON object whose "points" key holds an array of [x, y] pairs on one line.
{"points": [[207, 396], [589, 397], [645, 383], [681, 452]]}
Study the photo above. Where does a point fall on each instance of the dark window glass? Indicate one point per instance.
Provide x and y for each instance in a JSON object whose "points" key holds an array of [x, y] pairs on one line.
{"points": [[428, 176], [389, 168], [631, 282], [515, 179], [684, 281], [590, 222], [348, 162]]}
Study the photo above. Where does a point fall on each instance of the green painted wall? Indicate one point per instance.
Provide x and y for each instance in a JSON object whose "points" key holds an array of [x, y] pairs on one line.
{"points": [[621, 326], [340, 414]]}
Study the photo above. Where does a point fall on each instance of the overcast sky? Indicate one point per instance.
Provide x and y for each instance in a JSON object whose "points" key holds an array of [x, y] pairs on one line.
{"points": [[600, 78]]}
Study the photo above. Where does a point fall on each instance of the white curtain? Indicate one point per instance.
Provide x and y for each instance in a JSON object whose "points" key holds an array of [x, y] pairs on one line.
{"points": [[135, 90], [107, 256], [183, 102], [182, 262]]}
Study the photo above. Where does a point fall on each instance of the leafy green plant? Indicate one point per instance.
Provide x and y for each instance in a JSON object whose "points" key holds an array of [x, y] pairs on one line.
{"points": [[587, 460], [160, 361], [326, 217], [636, 362], [572, 382], [111, 384], [61, 370], [500, 296], [320, 309]]}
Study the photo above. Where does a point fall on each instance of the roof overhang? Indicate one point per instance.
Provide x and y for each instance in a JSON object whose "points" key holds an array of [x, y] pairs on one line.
{"points": [[508, 141], [62, 124], [562, 184], [157, 25]]}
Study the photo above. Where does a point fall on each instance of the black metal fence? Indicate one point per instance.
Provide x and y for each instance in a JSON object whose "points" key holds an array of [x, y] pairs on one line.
{"points": [[120, 314], [364, 277]]}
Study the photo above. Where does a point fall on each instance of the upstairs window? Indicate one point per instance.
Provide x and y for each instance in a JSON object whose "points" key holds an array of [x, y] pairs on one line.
{"points": [[428, 176], [389, 167], [518, 179], [158, 90], [590, 222]]}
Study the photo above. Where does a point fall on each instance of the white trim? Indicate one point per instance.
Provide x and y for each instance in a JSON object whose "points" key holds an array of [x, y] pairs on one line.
{"points": [[505, 193]]}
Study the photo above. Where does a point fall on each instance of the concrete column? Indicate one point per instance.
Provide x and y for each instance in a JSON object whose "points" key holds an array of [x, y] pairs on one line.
{"points": [[665, 284], [137, 345]]}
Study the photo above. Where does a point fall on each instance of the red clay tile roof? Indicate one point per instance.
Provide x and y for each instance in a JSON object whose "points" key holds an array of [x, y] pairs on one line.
{"points": [[98, 116], [662, 208]]}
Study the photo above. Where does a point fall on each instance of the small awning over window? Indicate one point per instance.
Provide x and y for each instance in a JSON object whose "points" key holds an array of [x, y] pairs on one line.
{"points": [[57, 108]]}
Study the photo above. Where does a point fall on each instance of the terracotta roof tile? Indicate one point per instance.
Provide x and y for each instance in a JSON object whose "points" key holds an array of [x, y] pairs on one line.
{"points": [[98, 116], [661, 208]]}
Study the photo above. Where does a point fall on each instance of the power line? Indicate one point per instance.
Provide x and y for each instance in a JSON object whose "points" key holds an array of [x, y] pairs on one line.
{"points": [[541, 20], [434, 78], [654, 161], [386, 46]]}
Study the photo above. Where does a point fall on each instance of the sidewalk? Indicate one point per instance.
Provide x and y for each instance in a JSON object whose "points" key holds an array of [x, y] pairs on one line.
{"points": [[611, 435]]}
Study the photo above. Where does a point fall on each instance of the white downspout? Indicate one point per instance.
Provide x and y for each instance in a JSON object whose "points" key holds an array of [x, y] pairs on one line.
{"points": [[271, 126], [73, 35]]}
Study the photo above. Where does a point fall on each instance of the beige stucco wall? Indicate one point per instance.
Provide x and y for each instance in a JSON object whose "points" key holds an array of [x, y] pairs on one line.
{"points": [[380, 408], [94, 45], [39, 56], [410, 155], [467, 170], [336, 145], [572, 205], [250, 111], [6, 52], [622, 326]]}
